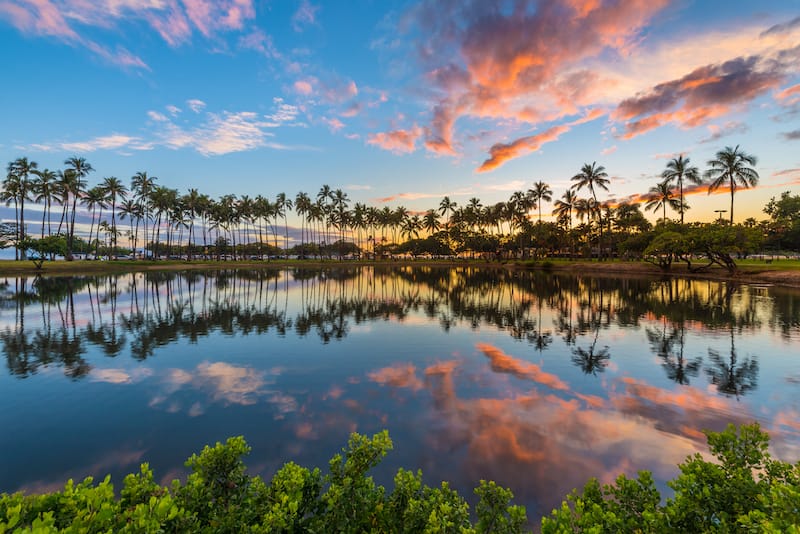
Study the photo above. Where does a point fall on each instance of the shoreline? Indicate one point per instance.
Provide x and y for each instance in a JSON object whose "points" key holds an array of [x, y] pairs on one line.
{"points": [[751, 273]]}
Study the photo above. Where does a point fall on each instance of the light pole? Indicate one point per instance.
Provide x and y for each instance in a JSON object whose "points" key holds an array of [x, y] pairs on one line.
{"points": [[720, 214]]}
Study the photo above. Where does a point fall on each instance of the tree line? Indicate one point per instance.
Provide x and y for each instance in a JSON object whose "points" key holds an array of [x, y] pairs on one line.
{"points": [[165, 222]]}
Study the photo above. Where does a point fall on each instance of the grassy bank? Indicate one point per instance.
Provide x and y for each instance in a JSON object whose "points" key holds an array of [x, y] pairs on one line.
{"points": [[782, 272]]}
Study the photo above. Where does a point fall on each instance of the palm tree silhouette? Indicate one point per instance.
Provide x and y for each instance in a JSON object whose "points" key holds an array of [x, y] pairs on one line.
{"points": [[678, 170], [593, 177], [733, 167]]}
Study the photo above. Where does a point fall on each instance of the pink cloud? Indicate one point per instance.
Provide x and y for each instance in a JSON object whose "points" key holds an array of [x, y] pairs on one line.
{"points": [[705, 93], [41, 17], [305, 15], [397, 141], [333, 123], [304, 87]]}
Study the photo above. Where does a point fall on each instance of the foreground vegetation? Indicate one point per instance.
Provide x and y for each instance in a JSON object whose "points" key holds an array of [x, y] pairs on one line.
{"points": [[743, 490]]}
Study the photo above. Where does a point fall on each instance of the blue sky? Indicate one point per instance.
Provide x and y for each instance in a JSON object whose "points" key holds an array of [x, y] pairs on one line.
{"points": [[403, 102]]}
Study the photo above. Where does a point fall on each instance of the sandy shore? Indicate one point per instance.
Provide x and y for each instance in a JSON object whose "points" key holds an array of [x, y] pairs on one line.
{"points": [[753, 274]]}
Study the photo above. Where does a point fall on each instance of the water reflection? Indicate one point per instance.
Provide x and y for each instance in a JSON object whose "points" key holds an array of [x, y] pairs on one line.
{"points": [[534, 380], [164, 307]]}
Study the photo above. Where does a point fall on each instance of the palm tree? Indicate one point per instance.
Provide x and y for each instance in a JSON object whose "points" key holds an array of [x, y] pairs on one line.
{"points": [[44, 187], [283, 204], [735, 167], [192, 201], [302, 206], [113, 189], [430, 221], [592, 177], [564, 206], [131, 210], [447, 207], [540, 192], [678, 170], [80, 169], [660, 197], [563, 210], [18, 171], [142, 186], [95, 198]]}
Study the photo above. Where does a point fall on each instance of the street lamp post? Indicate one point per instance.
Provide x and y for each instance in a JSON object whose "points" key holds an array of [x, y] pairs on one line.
{"points": [[720, 213]]}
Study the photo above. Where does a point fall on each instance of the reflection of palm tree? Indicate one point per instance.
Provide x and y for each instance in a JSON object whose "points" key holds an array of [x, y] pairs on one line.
{"points": [[591, 361], [677, 368], [730, 376]]}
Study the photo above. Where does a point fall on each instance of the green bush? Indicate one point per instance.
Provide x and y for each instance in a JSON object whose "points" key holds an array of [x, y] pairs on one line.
{"points": [[742, 490]]}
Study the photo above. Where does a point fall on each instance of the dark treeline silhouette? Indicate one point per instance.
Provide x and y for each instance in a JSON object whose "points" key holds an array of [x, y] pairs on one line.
{"points": [[164, 222], [137, 313]]}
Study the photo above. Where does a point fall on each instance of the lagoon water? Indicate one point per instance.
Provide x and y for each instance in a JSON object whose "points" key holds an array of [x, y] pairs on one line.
{"points": [[536, 381]]}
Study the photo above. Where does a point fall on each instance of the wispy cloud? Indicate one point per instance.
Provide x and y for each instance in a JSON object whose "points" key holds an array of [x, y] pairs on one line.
{"points": [[211, 133], [306, 15], [729, 128], [70, 20]]}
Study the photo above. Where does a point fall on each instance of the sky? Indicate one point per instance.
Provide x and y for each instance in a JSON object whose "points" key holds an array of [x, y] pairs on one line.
{"points": [[404, 102]]}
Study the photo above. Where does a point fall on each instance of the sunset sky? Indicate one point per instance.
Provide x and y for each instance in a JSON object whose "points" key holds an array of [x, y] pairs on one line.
{"points": [[403, 102]]}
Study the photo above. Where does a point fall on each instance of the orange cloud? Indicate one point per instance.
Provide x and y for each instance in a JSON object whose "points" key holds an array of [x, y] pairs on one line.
{"points": [[399, 376], [500, 72], [503, 363], [500, 152], [398, 141]]}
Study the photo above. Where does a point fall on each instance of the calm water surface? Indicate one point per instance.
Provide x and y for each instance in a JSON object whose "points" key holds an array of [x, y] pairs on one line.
{"points": [[535, 381]]}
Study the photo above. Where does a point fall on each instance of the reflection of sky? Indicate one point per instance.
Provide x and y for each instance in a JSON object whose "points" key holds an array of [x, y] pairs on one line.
{"points": [[471, 401]]}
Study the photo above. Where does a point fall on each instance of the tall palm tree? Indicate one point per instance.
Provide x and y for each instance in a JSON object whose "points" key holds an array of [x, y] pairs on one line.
{"points": [[593, 177], [142, 186], [80, 169], [192, 202], [446, 208], [95, 198], [540, 192], [734, 167], [678, 170], [660, 197], [283, 204], [21, 169], [10, 194], [45, 189], [302, 206], [114, 189]]}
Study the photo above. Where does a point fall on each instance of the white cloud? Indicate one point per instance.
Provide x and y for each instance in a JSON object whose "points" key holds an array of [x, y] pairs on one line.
{"points": [[196, 105]]}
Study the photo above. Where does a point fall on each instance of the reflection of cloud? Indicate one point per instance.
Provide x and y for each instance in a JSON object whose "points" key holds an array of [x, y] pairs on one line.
{"points": [[398, 375], [225, 383], [537, 443], [119, 376], [99, 468], [503, 363]]}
